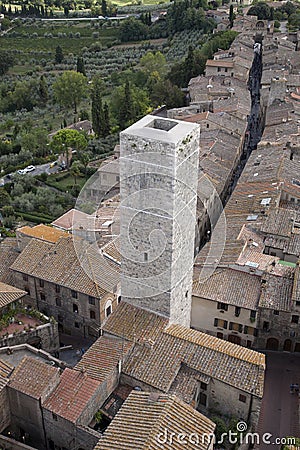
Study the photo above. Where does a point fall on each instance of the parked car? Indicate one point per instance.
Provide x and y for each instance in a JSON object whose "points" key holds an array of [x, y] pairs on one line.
{"points": [[22, 171], [29, 168]]}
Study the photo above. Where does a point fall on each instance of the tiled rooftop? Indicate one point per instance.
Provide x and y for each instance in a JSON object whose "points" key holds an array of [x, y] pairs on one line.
{"points": [[33, 377], [102, 358], [43, 232], [144, 416], [66, 221], [70, 398], [158, 355], [8, 253], [230, 286], [135, 324], [9, 294], [59, 264], [5, 369], [276, 293]]}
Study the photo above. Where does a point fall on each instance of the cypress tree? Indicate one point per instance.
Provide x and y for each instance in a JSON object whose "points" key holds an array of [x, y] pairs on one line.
{"points": [[97, 108], [106, 120], [104, 8], [126, 112], [59, 56], [43, 89], [80, 66]]}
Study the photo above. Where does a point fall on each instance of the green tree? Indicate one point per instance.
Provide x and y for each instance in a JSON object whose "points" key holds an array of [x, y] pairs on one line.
{"points": [[84, 157], [106, 123], [5, 199], [128, 103], [67, 139], [133, 30], [261, 10], [59, 56], [166, 93], [75, 171], [97, 107], [6, 61], [104, 8], [70, 88], [35, 141], [127, 110], [43, 89], [231, 16], [154, 62], [80, 67]]}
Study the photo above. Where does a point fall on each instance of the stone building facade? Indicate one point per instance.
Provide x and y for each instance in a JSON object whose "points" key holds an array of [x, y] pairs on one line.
{"points": [[159, 178]]}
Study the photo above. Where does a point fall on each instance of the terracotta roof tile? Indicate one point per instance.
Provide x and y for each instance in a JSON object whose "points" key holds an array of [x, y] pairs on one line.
{"points": [[33, 377], [59, 263], [43, 232], [9, 294], [71, 396], [134, 324], [144, 416], [103, 357], [5, 369], [230, 286]]}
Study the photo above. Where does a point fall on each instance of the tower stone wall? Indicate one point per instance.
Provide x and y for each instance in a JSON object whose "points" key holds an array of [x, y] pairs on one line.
{"points": [[158, 183]]}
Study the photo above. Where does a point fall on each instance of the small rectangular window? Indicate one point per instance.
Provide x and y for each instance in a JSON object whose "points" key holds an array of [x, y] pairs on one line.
{"points": [[108, 311], [74, 294], [237, 311], [203, 386], [58, 301], [41, 283], [75, 308], [57, 288], [242, 398], [92, 315], [253, 314], [276, 312], [76, 324], [223, 306], [91, 300], [295, 319], [54, 416], [43, 296], [25, 277]]}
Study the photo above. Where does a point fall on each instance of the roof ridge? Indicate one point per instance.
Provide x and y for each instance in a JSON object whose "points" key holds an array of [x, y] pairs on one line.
{"points": [[221, 346]]}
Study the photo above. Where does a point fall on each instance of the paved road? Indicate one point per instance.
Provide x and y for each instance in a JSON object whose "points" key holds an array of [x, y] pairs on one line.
{"points": [[280, 409], [43, 168]]}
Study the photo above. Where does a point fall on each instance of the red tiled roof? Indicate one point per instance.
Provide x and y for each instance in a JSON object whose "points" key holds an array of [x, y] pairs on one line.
{"points": [[72, 395]]}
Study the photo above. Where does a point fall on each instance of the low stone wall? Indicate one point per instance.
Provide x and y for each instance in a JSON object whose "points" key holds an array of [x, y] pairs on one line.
{"points": [[47, 334], [10, 444]]}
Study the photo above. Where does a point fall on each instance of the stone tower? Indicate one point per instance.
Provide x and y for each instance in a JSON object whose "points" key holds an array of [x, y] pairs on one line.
{"points": [[158, 181]]}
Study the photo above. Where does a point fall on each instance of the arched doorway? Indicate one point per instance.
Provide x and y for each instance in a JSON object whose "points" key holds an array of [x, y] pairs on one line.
{"points": [[272, 344], [297, 347], [234, 339], [287, 346]]}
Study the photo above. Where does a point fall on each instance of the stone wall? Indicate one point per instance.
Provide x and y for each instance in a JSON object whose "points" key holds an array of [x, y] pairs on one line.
{"points": [[4, 409], [26, 415], [10, 444], [280, 330], [47, 334], [159, 179]]}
